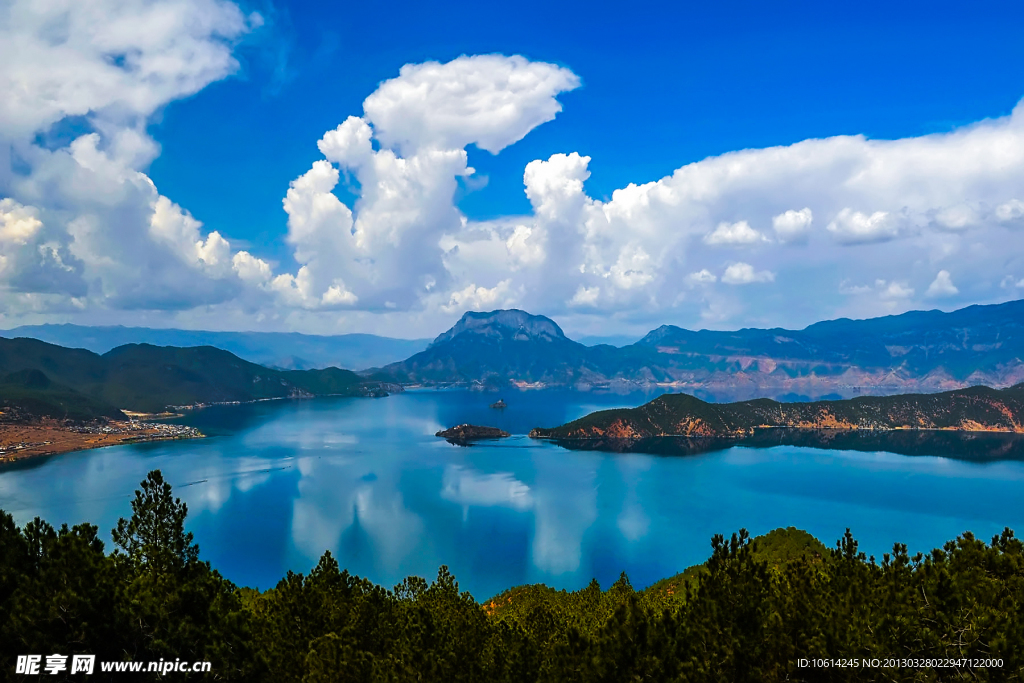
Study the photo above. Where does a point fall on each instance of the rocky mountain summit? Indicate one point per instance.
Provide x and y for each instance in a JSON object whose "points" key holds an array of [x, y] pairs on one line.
{"points": [[505, 325], [496, 349], [915, 351]]}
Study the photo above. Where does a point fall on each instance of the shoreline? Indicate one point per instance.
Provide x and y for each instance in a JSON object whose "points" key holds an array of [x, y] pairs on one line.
{"points": [[734, 436], [20, 442]]}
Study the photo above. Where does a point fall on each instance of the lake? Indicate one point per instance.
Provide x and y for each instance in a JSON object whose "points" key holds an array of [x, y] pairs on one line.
{"points": [[278, 483]]}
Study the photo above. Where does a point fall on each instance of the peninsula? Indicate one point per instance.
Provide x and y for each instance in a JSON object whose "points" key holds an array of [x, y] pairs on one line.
{"points": [[27, 439], [977, 409]]}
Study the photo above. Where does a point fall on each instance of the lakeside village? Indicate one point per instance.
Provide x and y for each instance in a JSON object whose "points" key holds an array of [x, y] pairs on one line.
{"points": [[142, 429], [39, 440]]}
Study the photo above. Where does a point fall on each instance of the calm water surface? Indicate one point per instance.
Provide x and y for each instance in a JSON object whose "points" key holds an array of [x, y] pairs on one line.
{"points": [[278, 483]]}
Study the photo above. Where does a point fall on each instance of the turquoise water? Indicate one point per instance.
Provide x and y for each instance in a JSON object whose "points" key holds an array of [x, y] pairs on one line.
{"points": [[278, 483]]}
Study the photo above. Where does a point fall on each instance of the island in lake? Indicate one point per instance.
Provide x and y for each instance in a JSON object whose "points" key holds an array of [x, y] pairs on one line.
{"points": [[467, 432], [977, 409]]}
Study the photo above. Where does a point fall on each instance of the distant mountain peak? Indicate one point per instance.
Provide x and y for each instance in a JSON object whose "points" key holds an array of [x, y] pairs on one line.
{"points": [[511, 324], [654, 336]]}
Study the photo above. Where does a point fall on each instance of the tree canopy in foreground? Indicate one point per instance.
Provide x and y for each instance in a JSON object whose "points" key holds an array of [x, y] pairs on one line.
{"points": [[752, 612]]}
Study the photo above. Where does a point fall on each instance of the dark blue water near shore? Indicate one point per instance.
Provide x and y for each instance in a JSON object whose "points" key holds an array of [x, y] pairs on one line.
{"points": [[278, 483]]}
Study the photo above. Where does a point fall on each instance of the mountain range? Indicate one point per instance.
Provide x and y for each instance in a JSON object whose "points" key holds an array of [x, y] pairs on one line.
{"points": [[49, 380], [285, 350], [923, 351], [917, 351]]}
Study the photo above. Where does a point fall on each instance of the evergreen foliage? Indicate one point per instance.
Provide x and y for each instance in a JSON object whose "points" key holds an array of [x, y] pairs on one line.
{"points": [[750, 613]]}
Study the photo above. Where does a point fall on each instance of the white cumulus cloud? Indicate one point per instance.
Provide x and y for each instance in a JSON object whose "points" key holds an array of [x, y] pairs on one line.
{"points": [[702, 277], [894, 290], [854, 227], [488, 100], [18, 224], [585, 296], [99, 234], [736, 234], [744, 274], [475, 298], [84, 228], [942, 286], [1011, 211], [793, 226]]}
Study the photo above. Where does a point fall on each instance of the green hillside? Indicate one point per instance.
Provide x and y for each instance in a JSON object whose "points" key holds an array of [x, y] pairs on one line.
{"points": [[973, 409], [147, 378], [287, 350], [775, 548], [30, 393]]}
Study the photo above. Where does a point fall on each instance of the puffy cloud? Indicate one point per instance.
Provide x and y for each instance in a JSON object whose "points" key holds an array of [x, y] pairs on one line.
{"points": [[488, 100], [112, 59], [738, 234], [555, 186], [956, 218], [525, 246], [404, 240], [894, 290], [349, 144], [942, 286], [585, 296], [86, 227], [854, 227], [632, 269], [18, 224], [1010, 212], [702, 277], [793, 226], [98, 233], [251, 268], [337, 295], [475, 298], [175, 227], [886, 292], [744, 274]]}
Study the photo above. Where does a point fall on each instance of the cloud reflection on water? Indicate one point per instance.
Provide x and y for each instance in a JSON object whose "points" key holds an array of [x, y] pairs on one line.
{"points": [[367, 480]]}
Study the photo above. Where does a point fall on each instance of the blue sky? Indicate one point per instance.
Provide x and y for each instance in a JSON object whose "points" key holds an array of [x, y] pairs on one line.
{"points": [[228, 127], [662, 87]]}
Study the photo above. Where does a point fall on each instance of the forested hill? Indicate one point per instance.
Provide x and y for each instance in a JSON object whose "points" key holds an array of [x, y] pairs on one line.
{"points": [[973, 409], [29, 394], [286, 350], [146, 378], [915, 351]]}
